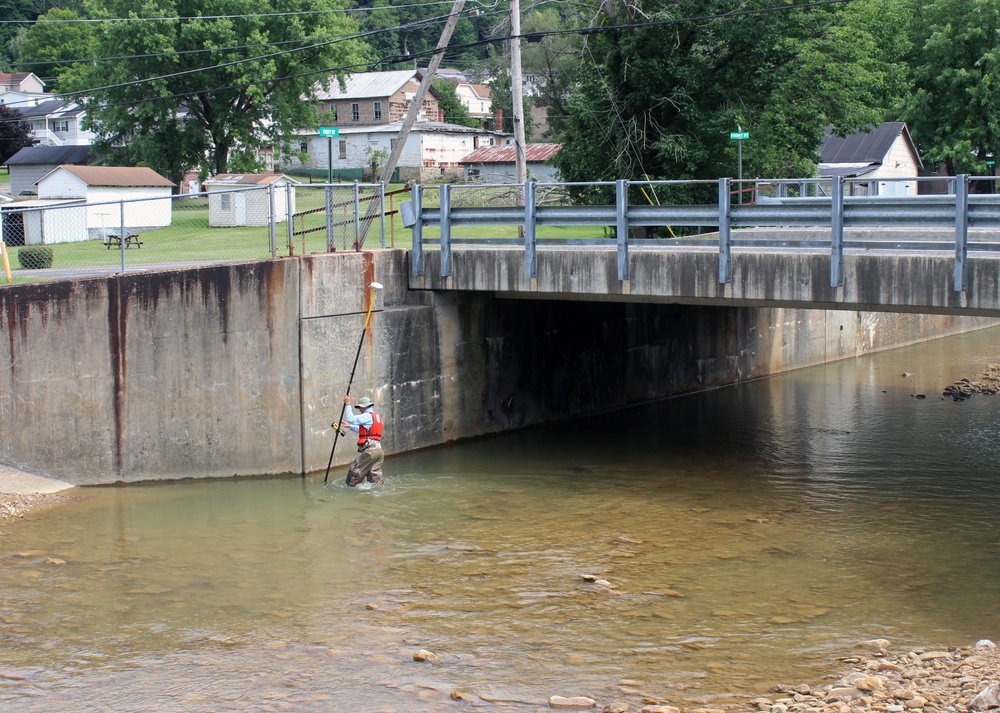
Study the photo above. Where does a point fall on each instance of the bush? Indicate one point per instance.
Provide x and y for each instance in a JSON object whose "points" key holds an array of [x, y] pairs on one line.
{"points": [[34, 258]]}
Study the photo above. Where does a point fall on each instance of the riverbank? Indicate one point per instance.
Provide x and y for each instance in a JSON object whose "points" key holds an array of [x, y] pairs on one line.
{"points": [[22, 492], [959, 679]]}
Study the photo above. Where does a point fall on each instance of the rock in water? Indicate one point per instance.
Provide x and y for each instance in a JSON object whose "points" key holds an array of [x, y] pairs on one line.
{"points": [[578, 702]]}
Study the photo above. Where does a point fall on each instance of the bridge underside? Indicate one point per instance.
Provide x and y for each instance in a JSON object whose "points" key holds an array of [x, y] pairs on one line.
{"points": [[873, 281]]}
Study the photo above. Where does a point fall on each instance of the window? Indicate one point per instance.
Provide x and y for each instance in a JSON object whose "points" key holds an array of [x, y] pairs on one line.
{"points": [[333, 111], [377, 109], [304, 147], [343, 149], [60, 125], [227, 202], [355, 112], [392, 145]]}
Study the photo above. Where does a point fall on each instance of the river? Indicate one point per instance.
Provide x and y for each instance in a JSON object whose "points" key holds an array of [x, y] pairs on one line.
{"points": [[748, 536]]}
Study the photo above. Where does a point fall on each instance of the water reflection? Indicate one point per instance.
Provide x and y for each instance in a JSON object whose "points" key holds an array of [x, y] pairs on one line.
{"points": [[749, 535]]}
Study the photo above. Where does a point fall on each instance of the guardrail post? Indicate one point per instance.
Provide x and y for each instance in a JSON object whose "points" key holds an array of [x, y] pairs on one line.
{"points": [[961, 232], [381, 208], [621, 227], [329, 219], [273, 224], [123, 238], [357, 216], [445, 230], [417, 233], [530, 259], [288, 217], [837, 232], [725, 247]]}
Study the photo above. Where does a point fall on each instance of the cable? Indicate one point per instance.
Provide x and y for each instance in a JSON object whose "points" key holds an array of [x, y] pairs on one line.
{"points": [[412, 56], [224, 17]]}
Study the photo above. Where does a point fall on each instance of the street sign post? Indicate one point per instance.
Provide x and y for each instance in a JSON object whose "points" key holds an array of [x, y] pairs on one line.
{"points": [[739, 136], [330, 132]]}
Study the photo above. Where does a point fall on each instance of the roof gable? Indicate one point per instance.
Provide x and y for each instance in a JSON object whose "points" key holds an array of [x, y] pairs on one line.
{"points": [[368, 85], [534, 153], [115, 176], [53, 155], [247, 179], [863, 147]]}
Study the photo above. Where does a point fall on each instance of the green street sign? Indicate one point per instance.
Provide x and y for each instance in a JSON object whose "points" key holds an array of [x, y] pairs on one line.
{"points": [[330, 131], [739, 135], [990, 162]]}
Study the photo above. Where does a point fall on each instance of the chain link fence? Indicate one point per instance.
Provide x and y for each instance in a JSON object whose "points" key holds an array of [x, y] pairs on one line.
{"points": [[46, 237]]}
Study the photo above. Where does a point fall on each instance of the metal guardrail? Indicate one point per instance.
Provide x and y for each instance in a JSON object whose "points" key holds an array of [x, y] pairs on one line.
{"points": [[958, 210]]}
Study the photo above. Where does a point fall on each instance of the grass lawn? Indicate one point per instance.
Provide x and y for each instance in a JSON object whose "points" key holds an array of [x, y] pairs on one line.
{"points": [[189, 239]]}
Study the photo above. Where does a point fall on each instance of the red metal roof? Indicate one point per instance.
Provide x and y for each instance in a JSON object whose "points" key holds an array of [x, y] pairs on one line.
{"points": [[536, 153]]}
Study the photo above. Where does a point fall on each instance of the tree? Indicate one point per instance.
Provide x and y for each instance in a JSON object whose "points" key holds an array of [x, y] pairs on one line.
{"points": [[47, 47], [502, 100], [454, 110], [191, 91], [15, 133], [659, 100], [954, 110]]}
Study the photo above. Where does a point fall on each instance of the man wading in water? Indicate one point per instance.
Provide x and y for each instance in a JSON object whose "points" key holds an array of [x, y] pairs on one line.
{"points": [[368, 425]]}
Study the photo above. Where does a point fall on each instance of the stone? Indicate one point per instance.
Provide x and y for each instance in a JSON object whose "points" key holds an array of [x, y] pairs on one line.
{"points": [[870, 683], [876, 645], [989, 697], [843, 693], [578, 702], [425, 655], [371, 607], [985, 644], [459, 696], [659, 709], [54, 561], [933, 655], [616, 708]]}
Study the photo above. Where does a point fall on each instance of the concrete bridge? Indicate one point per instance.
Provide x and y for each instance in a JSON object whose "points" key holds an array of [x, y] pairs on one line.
{"points": [[920, 254]]}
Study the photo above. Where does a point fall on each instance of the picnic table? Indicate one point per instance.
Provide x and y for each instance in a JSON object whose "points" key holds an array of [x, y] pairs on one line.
{"points": [[130, 240]]}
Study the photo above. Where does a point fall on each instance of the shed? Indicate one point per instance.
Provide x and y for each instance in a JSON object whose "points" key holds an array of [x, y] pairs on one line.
{"points": [[495, 164], [44, 222], [136, 198], [29, 164], [882, 152], [240, 199]]}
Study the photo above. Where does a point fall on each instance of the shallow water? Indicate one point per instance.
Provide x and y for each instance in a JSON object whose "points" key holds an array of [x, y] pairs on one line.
{"points": [[752, 535]]}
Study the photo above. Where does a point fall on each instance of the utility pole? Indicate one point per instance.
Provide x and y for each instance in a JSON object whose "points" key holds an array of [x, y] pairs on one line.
{"points": [[425, 84], [517, 100]]}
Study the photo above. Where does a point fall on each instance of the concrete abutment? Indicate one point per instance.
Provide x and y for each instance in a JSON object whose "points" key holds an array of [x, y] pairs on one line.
{"points": [[239, 369]]}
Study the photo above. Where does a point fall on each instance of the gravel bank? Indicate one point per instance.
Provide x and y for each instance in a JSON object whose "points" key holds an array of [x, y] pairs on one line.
{"points": [[17, 504]]}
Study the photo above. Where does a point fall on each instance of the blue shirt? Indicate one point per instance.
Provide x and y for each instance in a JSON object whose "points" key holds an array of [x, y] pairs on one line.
{"points": [[355, 421]]}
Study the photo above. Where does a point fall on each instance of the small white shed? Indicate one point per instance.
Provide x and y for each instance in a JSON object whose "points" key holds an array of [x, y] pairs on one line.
{"points": [[140, 193], [44, 222], [242, 199]]}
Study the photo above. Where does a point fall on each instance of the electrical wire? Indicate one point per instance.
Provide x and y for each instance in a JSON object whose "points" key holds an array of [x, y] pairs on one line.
{"points": [[398, 59]]}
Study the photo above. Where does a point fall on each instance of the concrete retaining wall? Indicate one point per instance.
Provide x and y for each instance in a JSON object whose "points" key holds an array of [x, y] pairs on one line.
{"points": [[240, 369]]}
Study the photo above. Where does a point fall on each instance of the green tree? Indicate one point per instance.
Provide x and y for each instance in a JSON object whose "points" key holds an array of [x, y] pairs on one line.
{"points": [[954, 110], [194, 90], [46, 47], [454, 110], [15, 133], [659, 101], [502, 100]]}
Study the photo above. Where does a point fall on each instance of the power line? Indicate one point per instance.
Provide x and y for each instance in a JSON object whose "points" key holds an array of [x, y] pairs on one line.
{"points": [[221, 17], [416, 55]]}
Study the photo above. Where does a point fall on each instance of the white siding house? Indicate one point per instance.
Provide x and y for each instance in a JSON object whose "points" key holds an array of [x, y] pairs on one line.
{"points": [[884, 152], [238, 199], [433, 151], [44, 222], [140, 194]]}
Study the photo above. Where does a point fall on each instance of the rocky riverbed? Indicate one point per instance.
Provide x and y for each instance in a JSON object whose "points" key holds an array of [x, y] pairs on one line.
{"points": [[17, 504]]}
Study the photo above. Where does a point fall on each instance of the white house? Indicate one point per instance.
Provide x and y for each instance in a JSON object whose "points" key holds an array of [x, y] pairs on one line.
{"points": [[433, 151], [884, 152], [21, 82], [476, 98], [496, 164], [57, 123], [141, 193], [238, 199]]}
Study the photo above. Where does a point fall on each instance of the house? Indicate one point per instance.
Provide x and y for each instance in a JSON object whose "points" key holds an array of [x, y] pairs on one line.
{"points": [[32, 162], [884, 152], [374, 98], [137, 199], [21, 82], [433, 151], [232, 201], [476, 99], [58, 123], [496, 164]]}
